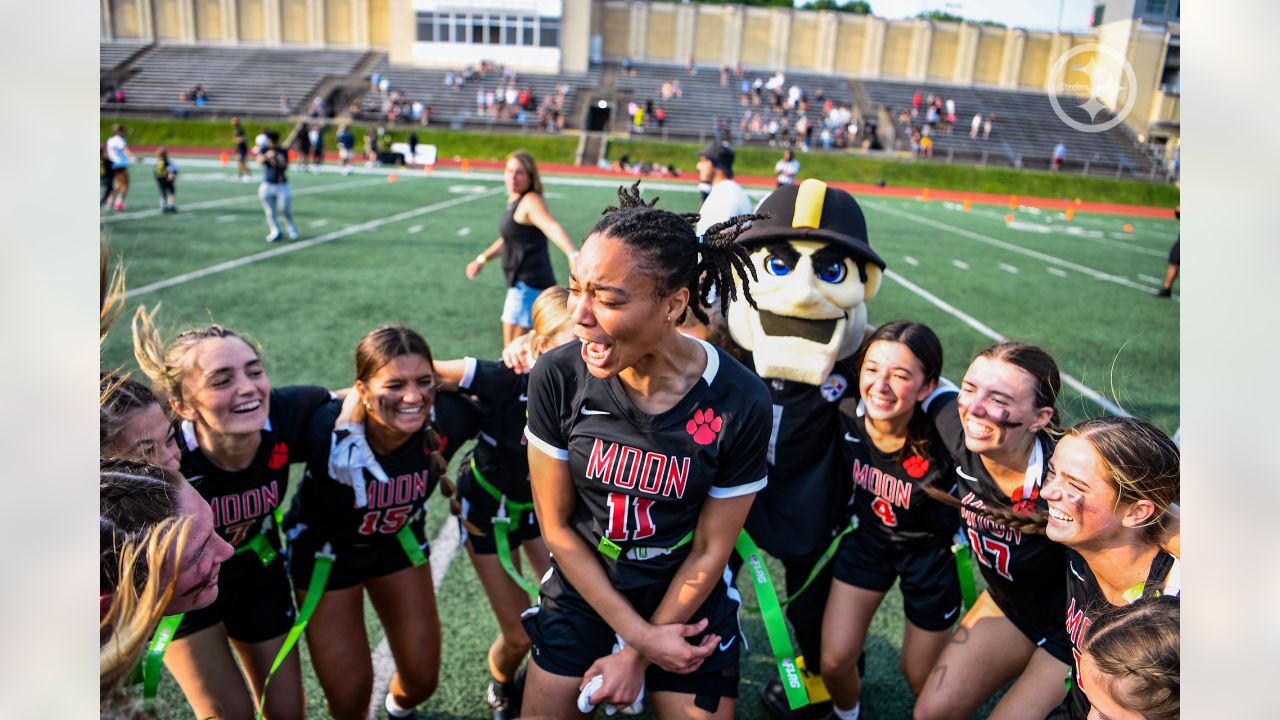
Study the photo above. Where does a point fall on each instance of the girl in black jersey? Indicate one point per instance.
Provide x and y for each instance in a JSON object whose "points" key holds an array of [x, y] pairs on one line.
{"points": [[237, 436], [996, 428], [493, 482], [378, 540], [646, 450], [525, 228], [901, 531], [1111, 485], [1129, 665]]}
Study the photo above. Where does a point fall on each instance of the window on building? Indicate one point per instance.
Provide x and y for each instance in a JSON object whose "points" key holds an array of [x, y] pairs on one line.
{"points": [[549, 32], [495, 30], [1156, 7], [426, 27], [526, 31], [459, 28], [510, 34]]}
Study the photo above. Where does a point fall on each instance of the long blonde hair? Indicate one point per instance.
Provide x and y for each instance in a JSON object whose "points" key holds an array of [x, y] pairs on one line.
{"points": [[1142, 464], [550, 315]]}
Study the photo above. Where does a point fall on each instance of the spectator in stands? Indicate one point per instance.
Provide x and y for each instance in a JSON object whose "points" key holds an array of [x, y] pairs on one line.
{"points": [[317, 107], [199, 97], [450, 80], [660, 114], [724, 76], [628, 66], [726, 198], [166, 177], [121, 158], [242, 150], [975, 125], [951, 113], [676, 90], [375, 81], [926, 145], [915, 100], [787, 168], [986, 125], [524, 231], [346, 148], [745, 89], [284, 104], [757, 90], [689, 68], [915, 142], [931, 116], [638, 119], [384, 85], [479, 101], [315, 138], [1059, 154], [277, 198]]}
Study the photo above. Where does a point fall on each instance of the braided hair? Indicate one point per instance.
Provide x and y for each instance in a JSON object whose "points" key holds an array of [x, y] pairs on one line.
{"points": [[670, 252], [1136, 650], [1031, 522]]}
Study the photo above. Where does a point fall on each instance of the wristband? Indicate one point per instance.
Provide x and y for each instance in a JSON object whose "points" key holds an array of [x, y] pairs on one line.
{"points": [[482, 259]]}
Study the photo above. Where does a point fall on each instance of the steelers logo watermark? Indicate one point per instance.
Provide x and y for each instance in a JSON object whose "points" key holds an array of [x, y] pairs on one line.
{"points": [[1096, 74]]}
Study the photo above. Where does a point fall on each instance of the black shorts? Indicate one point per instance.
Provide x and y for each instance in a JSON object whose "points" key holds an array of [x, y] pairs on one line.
{"points": [[1175, 254], [568, 636], [871, 560], [166, 186], [242, 150], [355, 562], [479, 508], [255, 603], [1044, 634]]}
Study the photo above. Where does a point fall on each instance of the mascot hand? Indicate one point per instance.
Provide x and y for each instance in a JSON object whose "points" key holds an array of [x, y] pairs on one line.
{"points": [[350, 456]]}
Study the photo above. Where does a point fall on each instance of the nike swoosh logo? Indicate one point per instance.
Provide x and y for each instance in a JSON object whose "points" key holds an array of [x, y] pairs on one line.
{"points": [[960, 471], [586, 411], [524, 398], [850, 438], [948, 615], [194, 478], [726, 645]]}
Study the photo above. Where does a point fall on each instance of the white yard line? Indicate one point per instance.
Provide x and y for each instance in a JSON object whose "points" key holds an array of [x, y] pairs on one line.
{"points": [[986, 330], [960, 264], [910, 261], [1056, 271], [1008, 268], [1096, 274], [223, 202], [443, 549], [293, 247]]}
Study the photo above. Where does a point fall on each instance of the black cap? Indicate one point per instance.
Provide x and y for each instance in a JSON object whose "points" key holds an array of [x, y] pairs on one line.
{"points": [[813, 210], [720, 156]]}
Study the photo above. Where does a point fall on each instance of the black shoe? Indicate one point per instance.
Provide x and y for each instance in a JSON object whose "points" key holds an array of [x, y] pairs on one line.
{"points": [[504, 698], [1164, 293], [774, 699]]}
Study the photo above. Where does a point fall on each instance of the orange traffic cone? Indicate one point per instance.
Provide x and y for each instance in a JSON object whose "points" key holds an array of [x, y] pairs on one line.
{"points": [[393, 178], [1071, 212], [968, 204], [466, 165], [1008, 217], [924, 195], [224, 158], [1128, 227], [1013, 202]]}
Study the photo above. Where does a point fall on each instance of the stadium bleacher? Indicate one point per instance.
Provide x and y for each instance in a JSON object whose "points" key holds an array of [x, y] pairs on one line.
{"points": [[236, 80], [1023, 133], [457, 107], [705, 100], [112, 55]]}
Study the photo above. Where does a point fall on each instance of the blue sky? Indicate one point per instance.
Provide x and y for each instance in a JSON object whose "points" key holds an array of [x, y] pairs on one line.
{"points": [[1031, 14]]}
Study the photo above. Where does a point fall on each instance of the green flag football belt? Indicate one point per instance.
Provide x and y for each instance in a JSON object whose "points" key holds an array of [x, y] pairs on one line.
{"points": [[964, 570], [510, 514], [149, 667]]}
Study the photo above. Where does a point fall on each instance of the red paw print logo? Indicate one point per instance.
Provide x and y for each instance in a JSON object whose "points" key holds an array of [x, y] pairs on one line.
{"points": [[279, 456], [704, 426], [916, 466], [1026, 505]]}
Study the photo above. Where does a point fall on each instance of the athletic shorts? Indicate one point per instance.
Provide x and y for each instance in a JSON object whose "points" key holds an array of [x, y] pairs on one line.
{"points": [[242, 150], [166, 186], [1050, 636], [355, 562], [568, 636], [344, 153], [255, 603], [870, 560], [479, 508], [518, 308], [1175, 253]]}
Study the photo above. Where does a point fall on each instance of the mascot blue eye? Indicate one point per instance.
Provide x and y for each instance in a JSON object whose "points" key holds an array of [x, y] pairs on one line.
{"points": [[832, 272], [777, 266]]}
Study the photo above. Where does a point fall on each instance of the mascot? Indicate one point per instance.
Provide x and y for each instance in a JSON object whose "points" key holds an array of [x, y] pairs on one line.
{"points": [[815, 272]]}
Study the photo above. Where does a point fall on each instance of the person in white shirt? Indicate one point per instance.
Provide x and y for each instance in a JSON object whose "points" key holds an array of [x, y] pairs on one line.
{"points": [[787, 168], [120, 157], [727, 198]]}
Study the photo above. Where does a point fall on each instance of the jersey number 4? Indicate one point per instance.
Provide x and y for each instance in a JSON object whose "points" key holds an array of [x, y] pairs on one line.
{"points": [[999, 553], [619, 507], [387, 522], [884, 511]]}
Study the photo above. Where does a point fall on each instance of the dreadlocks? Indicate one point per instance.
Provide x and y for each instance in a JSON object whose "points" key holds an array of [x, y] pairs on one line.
{"points": [[670, 252]]}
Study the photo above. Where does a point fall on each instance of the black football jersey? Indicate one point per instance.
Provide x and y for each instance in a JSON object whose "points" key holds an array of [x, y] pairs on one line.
{"points": [[501, 452], [1025, 573], [806, 502], [886, 489], [642, 479], [240, 500], [1085, 602]]}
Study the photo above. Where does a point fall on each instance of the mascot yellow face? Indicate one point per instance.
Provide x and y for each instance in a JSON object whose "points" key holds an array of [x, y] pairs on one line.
{"points": [[816, 270]]}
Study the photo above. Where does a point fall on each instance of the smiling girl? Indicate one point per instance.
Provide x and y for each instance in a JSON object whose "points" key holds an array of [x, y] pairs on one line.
{"points": [[646, 449], [378, 540], [237, 436], [132, 424], [1112, 483], [997, 430], [893, 450]]}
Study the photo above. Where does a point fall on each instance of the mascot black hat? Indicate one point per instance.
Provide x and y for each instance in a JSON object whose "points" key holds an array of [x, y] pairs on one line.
{"points": [[815, 211]]}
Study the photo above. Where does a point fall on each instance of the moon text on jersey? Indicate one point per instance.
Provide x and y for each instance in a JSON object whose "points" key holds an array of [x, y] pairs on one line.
{"points": [[984, 524], [248, 505], [399, 490], [882, 483], [628, 467]]}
